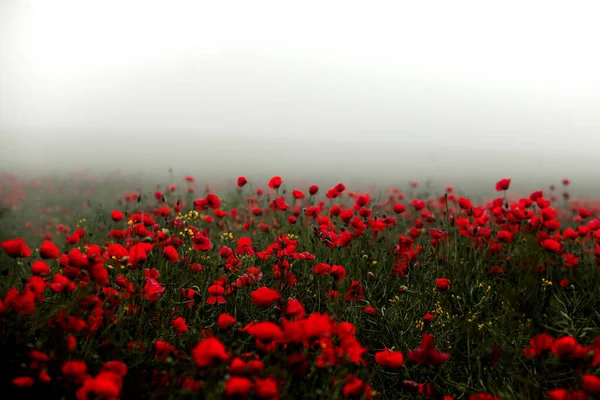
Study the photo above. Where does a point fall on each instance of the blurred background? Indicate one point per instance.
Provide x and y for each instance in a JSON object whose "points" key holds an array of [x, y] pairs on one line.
{"points": [[462, 92]]}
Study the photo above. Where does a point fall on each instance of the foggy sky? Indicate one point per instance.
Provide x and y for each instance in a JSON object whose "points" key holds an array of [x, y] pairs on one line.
{"points": [[453, 91]]}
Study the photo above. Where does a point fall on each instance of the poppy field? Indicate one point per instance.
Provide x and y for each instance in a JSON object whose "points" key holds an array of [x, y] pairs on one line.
{"points": [[270, 291]]}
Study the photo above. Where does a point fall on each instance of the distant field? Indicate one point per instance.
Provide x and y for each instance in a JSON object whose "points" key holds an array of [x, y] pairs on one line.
{"points": [[266, 289]]}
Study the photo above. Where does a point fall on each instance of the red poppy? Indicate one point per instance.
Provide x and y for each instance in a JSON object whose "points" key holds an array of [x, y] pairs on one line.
{"points": [[208, 352], [418, 204], [389, 359], [213, 201], [73, 369], [170, 253], [266, 331], [370, 310], [442, 284], [322, 269], [163, 349], [502, 184], [338, 272], [238, 387], [117, 367], [40, 268], [224, 321], [551, 245], [565, 394], [117, 215], [567, 348], [356, 292], [465, 204], [180, 325], [201, 243], [16, 248], [427, 354], [23, 381], [241, 181], [49, 250], [153, 289], [275, 182], [354, 388], [216, 293], [399, 208], [294, 309], [264, 296], [591, 384], [483, 396], [266, 388]]}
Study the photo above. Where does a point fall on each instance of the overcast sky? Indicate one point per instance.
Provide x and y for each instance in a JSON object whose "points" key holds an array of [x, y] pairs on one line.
{"points": [[414, 89]]}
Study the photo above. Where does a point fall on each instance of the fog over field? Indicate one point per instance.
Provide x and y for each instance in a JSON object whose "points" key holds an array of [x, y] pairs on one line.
{"points": [[461, 92]]}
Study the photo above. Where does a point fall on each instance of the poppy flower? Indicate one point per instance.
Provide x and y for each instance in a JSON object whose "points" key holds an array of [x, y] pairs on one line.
{"points": [[40, 268], [74, 368], [591, 384], [117, 367], [355, 388], [266, 388], [153, 289], [370, 310], [201, 243], [567, 348], [213, 201], [399, 208], [275, 182], [502, 184], [208, 352], [418, 205], [465, 204], [565, 394], [23, 381], [16, 248], [338, 272], [442, 284], [49, 250], [483, 396], [170, 253], [322, 269], [539, 344], [117, 215], [224, 321], [266, 331], [163, 349], [427, 354], [264, 297], [551, 245], [294, 309], [356, 292], [241, 181], [389, 359], [238, 387], [180, 325], [215, 295]]}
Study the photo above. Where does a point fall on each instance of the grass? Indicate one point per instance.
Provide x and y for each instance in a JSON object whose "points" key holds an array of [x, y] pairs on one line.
{"points": [[507, 284]]}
